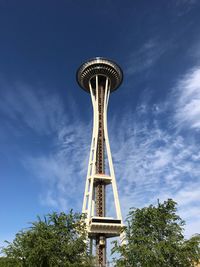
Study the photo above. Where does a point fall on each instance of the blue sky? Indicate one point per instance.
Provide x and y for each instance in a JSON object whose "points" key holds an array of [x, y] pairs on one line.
{"points": [[154, 117]]}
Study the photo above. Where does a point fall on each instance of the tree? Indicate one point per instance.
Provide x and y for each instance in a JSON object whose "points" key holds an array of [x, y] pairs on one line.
{"points": [[155, 239], [57, 240], [5, 262]]}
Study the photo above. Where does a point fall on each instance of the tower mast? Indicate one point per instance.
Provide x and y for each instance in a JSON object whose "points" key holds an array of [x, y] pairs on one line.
{"points": [[100, 77]]}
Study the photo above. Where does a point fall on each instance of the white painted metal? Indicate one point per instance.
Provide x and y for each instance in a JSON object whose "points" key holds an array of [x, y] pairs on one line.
{"points": [[112, 173], [89, 201]]}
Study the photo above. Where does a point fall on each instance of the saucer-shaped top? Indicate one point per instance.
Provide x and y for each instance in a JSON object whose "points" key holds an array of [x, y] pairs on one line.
{"points": [[102, 67]]}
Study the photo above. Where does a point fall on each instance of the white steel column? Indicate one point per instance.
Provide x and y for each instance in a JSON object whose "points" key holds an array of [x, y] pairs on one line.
{"points": [[88, 202], [110, 162]]}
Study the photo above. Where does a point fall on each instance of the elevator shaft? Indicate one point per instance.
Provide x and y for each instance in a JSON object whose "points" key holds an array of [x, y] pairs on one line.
{"points": [[100, 186]]}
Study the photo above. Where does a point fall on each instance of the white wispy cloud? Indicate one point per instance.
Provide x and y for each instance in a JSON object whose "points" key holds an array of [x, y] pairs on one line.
{"points": [[59, 170], [62, 171], [183, 7], [152, 164], [146, 56], [32, 107], [187, 105], [186, 3]]}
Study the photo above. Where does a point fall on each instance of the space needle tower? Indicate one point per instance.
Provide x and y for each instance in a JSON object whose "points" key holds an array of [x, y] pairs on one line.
{"points": [[100, 77]]}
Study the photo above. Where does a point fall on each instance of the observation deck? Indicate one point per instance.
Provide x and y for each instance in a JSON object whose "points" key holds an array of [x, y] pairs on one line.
{"points": [[101, 67], [107, 226]]}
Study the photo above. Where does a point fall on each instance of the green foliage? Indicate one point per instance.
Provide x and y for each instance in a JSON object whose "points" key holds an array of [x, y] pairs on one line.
{"points": [[5, 262], [155, 239], [57, 240]]}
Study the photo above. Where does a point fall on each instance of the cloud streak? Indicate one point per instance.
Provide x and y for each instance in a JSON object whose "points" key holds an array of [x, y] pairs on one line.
{"points": [[152, 164], [187, 106], [31, 107], [59, 164], [155, 162], [62, 171], [146, 56]]}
